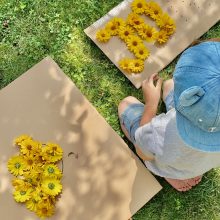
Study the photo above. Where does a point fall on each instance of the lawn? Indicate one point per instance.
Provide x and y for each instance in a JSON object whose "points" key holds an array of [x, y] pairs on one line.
{"points": [[31, 30]]}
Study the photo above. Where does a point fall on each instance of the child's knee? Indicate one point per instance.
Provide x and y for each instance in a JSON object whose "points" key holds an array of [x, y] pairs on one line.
{"points": [[125, 103], [168, 85]]}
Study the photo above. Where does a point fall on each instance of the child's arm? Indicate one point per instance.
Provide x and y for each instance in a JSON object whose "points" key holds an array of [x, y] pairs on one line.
{"points": [[152, 94]]}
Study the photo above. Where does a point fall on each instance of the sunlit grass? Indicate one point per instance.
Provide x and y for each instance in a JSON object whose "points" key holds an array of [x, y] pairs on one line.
{"points": [[31, 30]]}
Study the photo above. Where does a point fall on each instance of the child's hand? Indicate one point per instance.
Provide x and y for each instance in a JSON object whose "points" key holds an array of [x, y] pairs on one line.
{"points": [[151, 92]]}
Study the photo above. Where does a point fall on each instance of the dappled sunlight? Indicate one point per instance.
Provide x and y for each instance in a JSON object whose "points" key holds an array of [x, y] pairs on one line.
{"points": [[99, 171], [4, 179]]}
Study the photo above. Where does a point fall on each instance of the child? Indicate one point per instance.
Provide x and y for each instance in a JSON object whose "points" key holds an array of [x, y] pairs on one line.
{"points": [[184, 143]]}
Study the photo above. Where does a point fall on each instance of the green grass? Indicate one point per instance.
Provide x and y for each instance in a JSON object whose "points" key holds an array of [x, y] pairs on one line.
{"points": [[31, 30]]}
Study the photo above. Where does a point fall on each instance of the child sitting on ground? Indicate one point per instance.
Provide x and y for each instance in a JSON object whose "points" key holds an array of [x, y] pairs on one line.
{"points": [[184, 143]]}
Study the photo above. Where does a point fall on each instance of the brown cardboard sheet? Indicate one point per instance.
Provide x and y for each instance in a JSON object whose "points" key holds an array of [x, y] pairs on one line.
{"points": [[193, 18], [103, 179]]}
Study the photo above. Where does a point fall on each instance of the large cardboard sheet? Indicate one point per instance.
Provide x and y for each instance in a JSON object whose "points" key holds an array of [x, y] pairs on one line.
{"points": [[193, 18], [102, 178]]}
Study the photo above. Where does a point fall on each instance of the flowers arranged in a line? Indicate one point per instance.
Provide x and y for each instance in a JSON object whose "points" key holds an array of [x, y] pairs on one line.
{"points": [[134, 31]]}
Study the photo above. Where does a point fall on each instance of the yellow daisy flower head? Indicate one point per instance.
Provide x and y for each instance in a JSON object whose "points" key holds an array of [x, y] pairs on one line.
{"points": [[16, 165], [51, 187], [33, 176], [30, 147], [47, 199], [162, 37], [147, 33], [51, 171], [103, 35], [19, 139], [153, 10], [43, 210], [125, 64], [135, 20], [112, 26], [142, 52], [133, 42], [31, 204], [120, 22], [38, 194], [20, 184], [137, 66], [29, 161], [138, 6], [165, 21], [54, 151], [169, 31], [125, 31], [22, 195]]}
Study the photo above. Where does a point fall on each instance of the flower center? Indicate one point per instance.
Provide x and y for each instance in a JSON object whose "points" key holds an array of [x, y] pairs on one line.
{"points": [[17, 165], [22, 193], [29, 147], [141, 52], [149, 34], [126, 33], [103, 35], [137, 22], [134, 43], [51, 186], [113, 27], [139, 5], [137, 65], [44, 211], [50, 170], [29, 162], [156, 12], [40, 158]]}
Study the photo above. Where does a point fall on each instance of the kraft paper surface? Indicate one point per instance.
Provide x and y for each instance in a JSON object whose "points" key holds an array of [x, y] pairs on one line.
{"points": [[102, 178], [193, 18]]}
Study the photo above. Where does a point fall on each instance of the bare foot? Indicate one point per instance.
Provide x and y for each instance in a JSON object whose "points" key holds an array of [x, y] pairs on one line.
{"points": [[184, 185]]}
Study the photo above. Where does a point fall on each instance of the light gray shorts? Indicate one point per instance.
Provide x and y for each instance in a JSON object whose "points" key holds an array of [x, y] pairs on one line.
{"points": [[132, 115]]}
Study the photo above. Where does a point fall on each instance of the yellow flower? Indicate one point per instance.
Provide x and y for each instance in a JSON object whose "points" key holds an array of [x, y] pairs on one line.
{"points": [[133, 42], [125, 31], [16, 165], [30, 162], [44, 210], [137, 66], [120, 22], [22, 195], [51, 171], [162, 37], [169, 31], [134, 20], [153, 10], [51, 187], [147, 33], [33, 176], [53, 151], [19, 139], [124, 64], [112, 27], [141, 52], [20, 184], [103, 36], [138, 6], [31, 204], [166, 22], [30, 147]]}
